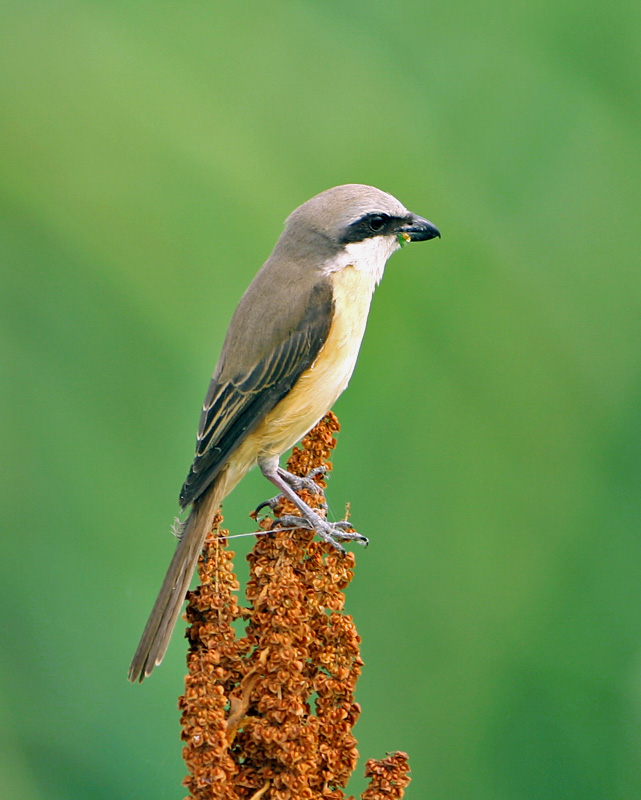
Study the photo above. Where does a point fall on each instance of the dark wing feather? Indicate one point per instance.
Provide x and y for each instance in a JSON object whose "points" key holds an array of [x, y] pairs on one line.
{"points": [[235, 407]]}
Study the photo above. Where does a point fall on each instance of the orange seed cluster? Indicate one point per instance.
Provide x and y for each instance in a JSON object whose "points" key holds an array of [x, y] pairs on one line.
{"points": [[270, 714]]}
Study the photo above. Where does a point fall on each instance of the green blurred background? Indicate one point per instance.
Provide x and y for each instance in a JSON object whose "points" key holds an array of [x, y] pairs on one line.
{"points": [[491, 443]]}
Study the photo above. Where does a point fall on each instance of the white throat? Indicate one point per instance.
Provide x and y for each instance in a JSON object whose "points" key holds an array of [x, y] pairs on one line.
{"points": [[368, 256]]}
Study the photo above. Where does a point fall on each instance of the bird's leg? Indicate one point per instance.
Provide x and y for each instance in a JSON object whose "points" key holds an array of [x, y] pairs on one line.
{"points": [[331, 532], [297, 483]]}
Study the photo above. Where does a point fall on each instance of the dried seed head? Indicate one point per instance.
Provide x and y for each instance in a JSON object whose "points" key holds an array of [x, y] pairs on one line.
{"points": [[270, 714]]}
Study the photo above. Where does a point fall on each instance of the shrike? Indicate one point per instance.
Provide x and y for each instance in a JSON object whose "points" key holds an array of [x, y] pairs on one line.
{"points": [[289, 352]]}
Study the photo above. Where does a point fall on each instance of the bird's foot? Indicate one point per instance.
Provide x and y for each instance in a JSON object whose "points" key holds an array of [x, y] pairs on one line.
{"points": [[331, 532], [297, 483]]}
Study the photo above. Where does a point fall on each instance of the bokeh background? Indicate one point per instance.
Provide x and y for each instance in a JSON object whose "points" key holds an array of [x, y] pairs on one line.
{"points": [[491, 443]]}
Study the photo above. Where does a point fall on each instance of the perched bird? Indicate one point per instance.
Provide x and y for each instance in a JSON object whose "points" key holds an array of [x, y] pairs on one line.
{"points": [[288, 354]]}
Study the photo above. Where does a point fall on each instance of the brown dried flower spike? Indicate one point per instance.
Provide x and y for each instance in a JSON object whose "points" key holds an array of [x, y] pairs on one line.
{"points": [[270, 714]]}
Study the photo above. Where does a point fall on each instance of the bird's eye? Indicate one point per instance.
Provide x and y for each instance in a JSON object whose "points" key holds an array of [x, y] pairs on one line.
{"points": [[376, 222]]}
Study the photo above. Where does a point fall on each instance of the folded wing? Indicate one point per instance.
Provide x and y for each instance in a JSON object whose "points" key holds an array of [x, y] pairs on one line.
{"points": [[234, 407]]}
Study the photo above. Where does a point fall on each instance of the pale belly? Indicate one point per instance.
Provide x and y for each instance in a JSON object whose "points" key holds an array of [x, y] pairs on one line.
{"points": [[318, 387]]}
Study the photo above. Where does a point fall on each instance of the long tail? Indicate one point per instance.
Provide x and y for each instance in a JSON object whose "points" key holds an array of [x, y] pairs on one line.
{"points": [[160, 625]]}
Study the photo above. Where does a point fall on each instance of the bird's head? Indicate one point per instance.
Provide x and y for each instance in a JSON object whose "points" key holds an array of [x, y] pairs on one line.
{"points": [[362, 225]]}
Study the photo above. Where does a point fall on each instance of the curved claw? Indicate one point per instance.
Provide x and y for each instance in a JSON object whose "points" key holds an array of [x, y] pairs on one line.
{"points": [[352, 536], [271, 504]]}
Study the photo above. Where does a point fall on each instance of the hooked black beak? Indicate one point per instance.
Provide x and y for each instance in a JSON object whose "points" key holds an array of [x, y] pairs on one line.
{"points": [[419, 229]]}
